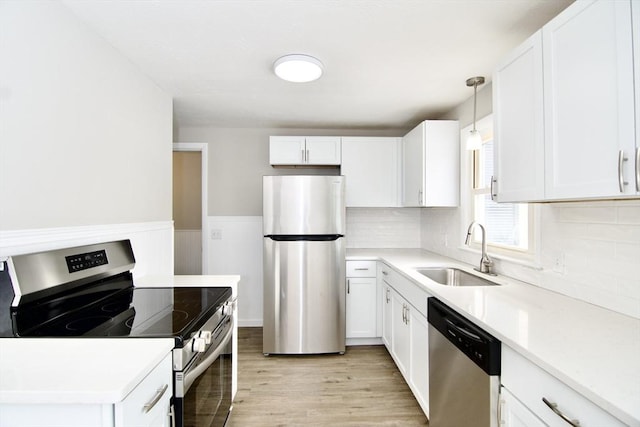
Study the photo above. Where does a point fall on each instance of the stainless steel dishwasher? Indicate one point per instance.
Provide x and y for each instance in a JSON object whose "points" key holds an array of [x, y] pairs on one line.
{"points": [[464, 369]]}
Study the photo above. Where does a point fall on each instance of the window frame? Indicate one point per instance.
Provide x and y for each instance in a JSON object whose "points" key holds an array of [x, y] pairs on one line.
{"points": [[469, 177]]}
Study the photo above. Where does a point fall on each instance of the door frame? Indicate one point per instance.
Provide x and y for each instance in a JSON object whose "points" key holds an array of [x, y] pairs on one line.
{"points": [[203, 149]]}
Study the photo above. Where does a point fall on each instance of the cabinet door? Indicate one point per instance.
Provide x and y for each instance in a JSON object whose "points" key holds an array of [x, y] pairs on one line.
{"points": [[287, 150], [413, 166], [589, 112], [515, 414], [519, 124], [400, 331], [323, 150], [155, 391], [441, 163], [387, 317], [419, 358], [361, 307], [371, 166]]}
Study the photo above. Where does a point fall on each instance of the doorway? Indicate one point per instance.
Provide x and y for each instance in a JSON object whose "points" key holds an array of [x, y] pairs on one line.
{"points": [[189, 208]]}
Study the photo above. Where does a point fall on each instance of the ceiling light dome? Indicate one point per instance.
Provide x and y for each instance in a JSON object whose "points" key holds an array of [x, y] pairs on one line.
{"points": [[298, 68]]}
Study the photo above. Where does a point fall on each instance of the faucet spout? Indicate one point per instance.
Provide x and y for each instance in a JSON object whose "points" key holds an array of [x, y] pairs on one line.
{"points": [[485, 262]]}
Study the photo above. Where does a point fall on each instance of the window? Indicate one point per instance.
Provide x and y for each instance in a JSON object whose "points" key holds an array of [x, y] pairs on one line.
{"points": [[507, 224]]}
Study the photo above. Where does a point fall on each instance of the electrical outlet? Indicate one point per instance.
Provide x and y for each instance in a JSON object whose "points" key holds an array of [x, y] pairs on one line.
{"points": [[558, 263], [216, 234]]}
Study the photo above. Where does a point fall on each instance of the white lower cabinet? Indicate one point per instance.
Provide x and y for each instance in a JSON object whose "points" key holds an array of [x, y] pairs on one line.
{"points": [[362, 300], [361, 307], [147, 405], [387, 315], [512, 413], [405, 331], [532, 386], [400, 332]]}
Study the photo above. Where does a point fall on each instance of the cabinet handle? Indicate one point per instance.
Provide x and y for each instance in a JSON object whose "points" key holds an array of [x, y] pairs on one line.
{"points": [[362, 269], [387, 296], [156, 398], [307, 160], [558, 412], [420, 197], [406, 320], [385, 273], [500, 406], [621, 160], [492, 190], [638, 169], [348, 286]]}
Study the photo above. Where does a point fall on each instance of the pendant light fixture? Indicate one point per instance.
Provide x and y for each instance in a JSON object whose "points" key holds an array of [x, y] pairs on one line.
{"points": [[474, 140], [298, 68]]}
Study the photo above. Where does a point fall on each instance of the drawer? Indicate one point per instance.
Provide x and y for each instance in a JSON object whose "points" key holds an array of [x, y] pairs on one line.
{"points": [[131, 411], [410, 291], [361, 269], [529, 383]]}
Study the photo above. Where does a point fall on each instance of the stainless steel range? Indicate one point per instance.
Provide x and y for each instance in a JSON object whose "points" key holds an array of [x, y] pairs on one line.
{"points": [[89, 291]]}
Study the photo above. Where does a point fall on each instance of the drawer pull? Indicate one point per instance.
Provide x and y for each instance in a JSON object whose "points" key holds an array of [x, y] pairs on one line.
{"points": [[156, 398], [386, 274], [558, 412], [362, 269]]}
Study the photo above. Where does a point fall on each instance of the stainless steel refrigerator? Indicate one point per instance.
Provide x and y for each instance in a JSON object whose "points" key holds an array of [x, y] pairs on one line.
{"points": [[304, 264]]}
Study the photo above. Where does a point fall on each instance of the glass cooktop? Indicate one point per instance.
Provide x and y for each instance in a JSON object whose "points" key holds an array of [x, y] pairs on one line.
{"points": [[114, 308]]}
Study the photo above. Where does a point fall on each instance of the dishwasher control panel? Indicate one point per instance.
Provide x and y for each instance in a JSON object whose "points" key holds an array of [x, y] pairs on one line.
{"points": [[479, 346]]}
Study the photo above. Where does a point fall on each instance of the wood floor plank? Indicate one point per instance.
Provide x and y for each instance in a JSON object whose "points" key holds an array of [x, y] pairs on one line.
{"points": [[363, 387]]}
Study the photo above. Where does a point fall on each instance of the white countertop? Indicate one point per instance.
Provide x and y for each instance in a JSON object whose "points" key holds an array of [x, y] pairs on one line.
{"points": [[593, 350], [74, 370]]}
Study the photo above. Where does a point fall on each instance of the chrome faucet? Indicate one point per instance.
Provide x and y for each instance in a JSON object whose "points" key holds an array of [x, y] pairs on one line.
{"points": [[485, 261]]}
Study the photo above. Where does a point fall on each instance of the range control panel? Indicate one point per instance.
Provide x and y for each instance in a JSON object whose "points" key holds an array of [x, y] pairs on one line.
{"points": [[87, 260]]}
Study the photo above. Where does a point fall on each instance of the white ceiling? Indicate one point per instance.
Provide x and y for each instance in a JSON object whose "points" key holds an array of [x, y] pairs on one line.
{"points": [[388, 63]]}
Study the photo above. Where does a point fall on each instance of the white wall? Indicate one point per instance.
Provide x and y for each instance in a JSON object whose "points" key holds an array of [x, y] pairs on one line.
{"points": [[85, 136]]}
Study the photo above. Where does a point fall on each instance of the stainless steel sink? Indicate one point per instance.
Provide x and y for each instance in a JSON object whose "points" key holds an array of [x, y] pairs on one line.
{"points": [[454, 277]]}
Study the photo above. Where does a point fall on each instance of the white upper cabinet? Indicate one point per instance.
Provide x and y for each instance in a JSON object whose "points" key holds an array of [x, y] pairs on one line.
{"points": [[589, 101], [567, 94], [430, 166], [304, 150], [518, 124], [323, 150], [371, 166]]}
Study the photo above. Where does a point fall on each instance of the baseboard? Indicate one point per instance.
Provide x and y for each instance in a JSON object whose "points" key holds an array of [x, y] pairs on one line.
{"points": [[249, 323], [364, 341]]}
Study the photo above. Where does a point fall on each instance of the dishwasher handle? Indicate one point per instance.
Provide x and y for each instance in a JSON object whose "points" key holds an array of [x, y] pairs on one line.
{"points": [[454, 330]]}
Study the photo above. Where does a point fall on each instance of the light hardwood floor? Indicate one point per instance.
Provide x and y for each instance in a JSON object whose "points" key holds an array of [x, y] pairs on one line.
{"points": [[361, 388]]}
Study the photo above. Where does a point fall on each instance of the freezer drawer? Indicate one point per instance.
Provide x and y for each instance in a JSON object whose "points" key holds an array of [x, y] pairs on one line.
{"points": [[304, 297]]}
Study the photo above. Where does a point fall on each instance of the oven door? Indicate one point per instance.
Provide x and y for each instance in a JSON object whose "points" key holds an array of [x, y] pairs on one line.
{"points": [[203, 389]]}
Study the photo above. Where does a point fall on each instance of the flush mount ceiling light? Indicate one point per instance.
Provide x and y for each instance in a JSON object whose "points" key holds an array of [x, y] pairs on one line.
{"points": [[298, 68], [474, 141]]}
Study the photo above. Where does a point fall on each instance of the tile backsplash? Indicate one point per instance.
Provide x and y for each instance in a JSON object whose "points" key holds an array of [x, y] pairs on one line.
{"points": [[587, 250], [383, 228]]}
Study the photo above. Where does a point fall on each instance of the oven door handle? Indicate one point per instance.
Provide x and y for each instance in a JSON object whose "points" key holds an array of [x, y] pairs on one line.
{"points": [[191, 375]]}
